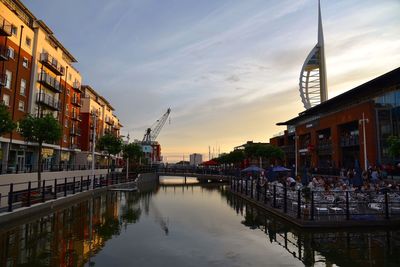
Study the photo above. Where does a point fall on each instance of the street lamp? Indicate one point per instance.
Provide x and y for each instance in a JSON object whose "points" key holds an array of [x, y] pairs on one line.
{"points": [[363, 121], [127, 159]]}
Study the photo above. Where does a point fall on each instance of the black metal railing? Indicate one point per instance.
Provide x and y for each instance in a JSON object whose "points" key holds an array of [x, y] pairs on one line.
{"points": [[48, 100], [3, 53], [51, 63], [50, 82], [49, 167], [334, 205], [5, 27], [25, 194]]}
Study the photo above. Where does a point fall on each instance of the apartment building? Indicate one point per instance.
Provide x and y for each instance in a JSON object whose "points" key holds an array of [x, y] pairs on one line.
{"points": [[37, 76], [97, 119]]}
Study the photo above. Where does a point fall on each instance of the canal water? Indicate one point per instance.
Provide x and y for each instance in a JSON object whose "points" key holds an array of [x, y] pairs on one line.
{"points": [[184, 225]]}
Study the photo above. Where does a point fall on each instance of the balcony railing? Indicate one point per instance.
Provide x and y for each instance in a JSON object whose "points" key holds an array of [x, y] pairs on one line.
{"points": [[352, 140], [3, 53], [5, 27], [74, 146], [77, 86], [48, 100], [76, 101], [75, 116], [50, 82], [109, 121], [51, 63], [3, 79], [75, 131]]}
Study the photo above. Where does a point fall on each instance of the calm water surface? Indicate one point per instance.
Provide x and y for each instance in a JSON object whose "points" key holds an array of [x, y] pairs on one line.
{"points": [[190, 225]]}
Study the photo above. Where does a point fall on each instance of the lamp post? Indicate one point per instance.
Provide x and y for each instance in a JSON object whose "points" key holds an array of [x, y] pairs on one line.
{"points": [[363, 121], [127, 160], [296, 137], [94, 140]]}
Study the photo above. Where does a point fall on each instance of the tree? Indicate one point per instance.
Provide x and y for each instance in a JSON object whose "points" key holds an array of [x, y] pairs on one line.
{"points": [[132, 152], [394, 146], [6, 123], [110, 143], [40, 130], [236, 156]]}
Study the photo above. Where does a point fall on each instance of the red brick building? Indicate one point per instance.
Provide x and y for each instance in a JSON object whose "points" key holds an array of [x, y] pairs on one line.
{"points": [[331, 134]]}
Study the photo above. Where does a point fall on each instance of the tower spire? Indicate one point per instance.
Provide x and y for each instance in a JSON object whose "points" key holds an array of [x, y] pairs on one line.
{"points": [[313, 81]]}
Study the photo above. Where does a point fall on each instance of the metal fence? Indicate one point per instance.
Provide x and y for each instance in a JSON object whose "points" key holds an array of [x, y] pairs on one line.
{"points": [[29, 168], [25, 194], [323, 205]]}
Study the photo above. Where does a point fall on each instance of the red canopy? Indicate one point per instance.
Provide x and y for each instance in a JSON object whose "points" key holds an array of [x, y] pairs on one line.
{"points": [[210, 163]]}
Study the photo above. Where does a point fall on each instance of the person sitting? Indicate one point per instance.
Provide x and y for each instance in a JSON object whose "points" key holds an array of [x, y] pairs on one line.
{"points": [[290, 181]]}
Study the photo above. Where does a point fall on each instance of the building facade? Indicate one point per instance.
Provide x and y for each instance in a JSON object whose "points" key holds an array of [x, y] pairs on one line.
{"points": [[195, 159], [348, 130], [38, 77]]}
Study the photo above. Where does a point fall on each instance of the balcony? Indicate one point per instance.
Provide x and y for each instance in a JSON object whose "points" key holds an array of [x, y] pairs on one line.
{"points": [[3, 79], [77, 86], [74, 146], [5, 27], [75, 131], [3, 53], [76, 117], [48, 100], [76, 102], [50, 82], [52, 64], [109, 121]]}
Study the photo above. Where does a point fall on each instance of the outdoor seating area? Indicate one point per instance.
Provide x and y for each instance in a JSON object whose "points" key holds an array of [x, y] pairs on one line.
{"points": [[319, 204]]}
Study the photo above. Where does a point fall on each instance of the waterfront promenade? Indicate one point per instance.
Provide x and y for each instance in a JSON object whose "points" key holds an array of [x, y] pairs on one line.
{"points": [[318, 209]]}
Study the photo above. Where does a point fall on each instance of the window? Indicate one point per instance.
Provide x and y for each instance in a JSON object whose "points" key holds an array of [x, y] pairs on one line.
{"points": [[67, 91], [14, 30], [22, 88], [21, 105], [66, 123], [6, 100], [65, 138], [69, 76], [10, 53], [28, 41], [25, 62], [8, 79]]}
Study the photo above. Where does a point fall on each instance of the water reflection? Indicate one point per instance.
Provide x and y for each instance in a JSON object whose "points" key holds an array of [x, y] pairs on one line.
{"points": [[367, 247], [190, 225], [71, 236]]}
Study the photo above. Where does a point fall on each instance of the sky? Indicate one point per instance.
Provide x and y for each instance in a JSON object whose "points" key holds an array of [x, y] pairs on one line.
{"points": [[228, 69]]}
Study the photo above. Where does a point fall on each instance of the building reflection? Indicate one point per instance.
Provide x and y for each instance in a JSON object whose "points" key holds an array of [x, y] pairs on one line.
{"points": [[72, 236], [368, 247]]}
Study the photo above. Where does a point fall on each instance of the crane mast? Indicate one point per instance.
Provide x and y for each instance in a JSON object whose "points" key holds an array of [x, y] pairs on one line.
{"points": [[152, 133]]}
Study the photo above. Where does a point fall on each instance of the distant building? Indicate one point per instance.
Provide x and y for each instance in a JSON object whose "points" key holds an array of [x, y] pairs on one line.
{"points": [[196, 159]]}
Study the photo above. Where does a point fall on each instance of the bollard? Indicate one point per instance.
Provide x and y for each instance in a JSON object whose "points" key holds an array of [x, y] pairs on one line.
{"points": [[298, 204], [55, 188], [65, 187], [10, 197], [29, 193], [347, 206], [44, 191]]}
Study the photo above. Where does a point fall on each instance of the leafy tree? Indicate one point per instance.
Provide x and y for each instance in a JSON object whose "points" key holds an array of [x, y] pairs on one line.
{"points": [[132, 152], [6, 123], [40, 130], [236, 156], [394, 146], [110, 143]]}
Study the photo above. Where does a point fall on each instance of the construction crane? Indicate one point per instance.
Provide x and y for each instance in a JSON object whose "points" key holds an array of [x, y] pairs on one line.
{"points": [[152, 132]]}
